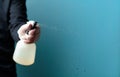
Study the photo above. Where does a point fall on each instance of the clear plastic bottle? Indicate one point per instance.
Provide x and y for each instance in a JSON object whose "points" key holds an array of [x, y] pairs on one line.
{"points": [[24, 54]]}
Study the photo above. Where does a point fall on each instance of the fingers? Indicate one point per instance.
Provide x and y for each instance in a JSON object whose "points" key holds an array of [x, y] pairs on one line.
{"points": [[31, 39], [34, 31], [33, 36]]}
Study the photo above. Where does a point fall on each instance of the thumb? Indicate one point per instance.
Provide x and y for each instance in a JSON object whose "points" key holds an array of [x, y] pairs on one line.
{"points": [[23, 30], [27, 28]]}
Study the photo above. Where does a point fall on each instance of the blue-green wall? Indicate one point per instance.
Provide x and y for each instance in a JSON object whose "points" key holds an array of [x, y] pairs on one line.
{"points": [[79, 38]]}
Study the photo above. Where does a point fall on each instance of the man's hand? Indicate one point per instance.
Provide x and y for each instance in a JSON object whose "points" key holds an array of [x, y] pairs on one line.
{"points": [[27, 34]]}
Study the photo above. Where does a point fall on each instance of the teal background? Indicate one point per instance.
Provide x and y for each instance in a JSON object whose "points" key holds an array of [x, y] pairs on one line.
{"points": [[79, 38]]}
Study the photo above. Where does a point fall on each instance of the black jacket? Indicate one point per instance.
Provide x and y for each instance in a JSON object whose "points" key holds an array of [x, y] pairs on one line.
{"points": [[12, 16]]}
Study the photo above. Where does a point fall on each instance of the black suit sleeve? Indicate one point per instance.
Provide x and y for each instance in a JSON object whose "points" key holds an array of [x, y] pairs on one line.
{"points": [[18, 16]]}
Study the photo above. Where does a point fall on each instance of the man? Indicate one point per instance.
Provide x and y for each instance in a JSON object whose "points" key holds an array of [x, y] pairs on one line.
{"points": [[13, 27]]}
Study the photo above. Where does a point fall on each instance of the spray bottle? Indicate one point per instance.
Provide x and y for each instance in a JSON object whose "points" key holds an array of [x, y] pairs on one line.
{"points": [[24, 53]]}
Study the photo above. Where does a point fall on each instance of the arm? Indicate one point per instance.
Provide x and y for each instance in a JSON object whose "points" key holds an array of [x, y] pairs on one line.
{"points": [[18, 16]]}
